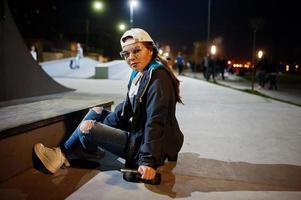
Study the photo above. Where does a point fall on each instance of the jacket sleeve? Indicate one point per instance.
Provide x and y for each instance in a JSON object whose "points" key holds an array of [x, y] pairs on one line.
{"points": [[119, 118], [158, 99]]}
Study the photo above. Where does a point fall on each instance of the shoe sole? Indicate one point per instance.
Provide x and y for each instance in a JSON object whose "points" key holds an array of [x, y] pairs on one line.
{"points": [[44, 159]]}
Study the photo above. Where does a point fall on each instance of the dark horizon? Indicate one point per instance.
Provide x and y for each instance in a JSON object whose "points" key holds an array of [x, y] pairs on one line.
{"points": [[173, 23]]}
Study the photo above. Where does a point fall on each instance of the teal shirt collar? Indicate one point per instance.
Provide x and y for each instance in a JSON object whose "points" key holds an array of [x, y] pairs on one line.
{"points": [[154, 64]]}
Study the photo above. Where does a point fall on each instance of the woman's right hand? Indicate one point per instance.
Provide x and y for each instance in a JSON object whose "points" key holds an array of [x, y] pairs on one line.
{"points": [[147, 172]]}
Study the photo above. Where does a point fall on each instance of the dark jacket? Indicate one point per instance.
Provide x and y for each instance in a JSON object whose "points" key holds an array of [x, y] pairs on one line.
{"points": [[154, 131]]}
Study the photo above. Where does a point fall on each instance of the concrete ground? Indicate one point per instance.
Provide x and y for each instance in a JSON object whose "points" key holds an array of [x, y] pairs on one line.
{"points": [[237, 146]]}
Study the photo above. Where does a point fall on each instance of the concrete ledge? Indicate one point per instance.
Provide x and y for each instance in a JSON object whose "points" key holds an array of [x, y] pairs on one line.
{"points": [[117, 69], [57, 119], [101, 72], [8, 132]]}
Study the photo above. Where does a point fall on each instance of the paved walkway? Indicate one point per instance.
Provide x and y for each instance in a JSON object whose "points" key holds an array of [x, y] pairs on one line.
{"points": [[237, 146], [285, 92]]}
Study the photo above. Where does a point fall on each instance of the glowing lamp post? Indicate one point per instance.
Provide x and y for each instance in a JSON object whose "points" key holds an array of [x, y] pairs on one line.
{"points": [[121, 27], [260, 54], [213, 50], [133, 4], [96, 6]]}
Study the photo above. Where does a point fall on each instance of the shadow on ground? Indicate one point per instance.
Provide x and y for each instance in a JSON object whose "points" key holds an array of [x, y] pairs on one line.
{"points": [[190, 174], [38, 183], [194, 174]]}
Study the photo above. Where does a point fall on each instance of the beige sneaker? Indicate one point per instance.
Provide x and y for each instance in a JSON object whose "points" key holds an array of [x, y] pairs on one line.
{"points": [[52, 158]]}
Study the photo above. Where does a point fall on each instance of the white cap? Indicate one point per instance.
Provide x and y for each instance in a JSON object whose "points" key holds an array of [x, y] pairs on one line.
{"points": [[138, 35]]}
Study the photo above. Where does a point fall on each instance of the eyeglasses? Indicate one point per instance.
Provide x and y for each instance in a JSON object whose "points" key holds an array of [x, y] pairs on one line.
{"points": [[135, 52]]}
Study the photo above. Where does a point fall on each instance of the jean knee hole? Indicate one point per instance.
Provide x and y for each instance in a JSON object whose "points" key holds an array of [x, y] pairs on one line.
{"points": [[97, 109], [85, 129]]}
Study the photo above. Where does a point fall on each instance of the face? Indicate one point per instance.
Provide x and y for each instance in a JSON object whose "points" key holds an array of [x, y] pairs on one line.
{"points": [[137, 56]]}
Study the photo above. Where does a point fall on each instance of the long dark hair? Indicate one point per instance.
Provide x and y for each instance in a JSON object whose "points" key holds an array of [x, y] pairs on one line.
{"points": [[166, 66]]}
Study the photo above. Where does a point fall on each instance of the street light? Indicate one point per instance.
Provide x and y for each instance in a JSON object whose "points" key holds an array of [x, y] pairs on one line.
{"points": [[260, 54], [256, 24], [96, 6], [213, 49], [208, 24], [121, 27], [133, 4]]}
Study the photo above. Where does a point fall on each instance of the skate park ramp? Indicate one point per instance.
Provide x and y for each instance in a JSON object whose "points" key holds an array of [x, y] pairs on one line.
{"points": [[117, 69], [20, 74], [61, 68]]}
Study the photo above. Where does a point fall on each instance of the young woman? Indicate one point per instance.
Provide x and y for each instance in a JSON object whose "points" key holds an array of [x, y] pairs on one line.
{"points": [[143, 129]]}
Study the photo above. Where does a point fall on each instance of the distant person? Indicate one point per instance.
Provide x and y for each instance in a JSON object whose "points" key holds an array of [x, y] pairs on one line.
{"points": [[180, 63], [33, 52], [78, 57], [205, 65], [143, 129], [210, 69], [272, 76], [223, 66], [189, 66], [262, 67]]}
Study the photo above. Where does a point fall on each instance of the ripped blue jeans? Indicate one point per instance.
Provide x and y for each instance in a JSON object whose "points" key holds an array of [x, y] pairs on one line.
{"points": [[109, 138]]}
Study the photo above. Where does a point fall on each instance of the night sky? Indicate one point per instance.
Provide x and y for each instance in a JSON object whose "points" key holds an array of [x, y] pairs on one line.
{"points": [[174, 22]]}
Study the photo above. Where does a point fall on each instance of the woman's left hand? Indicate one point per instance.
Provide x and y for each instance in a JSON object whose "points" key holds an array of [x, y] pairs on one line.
{"points": [[146, 172]]}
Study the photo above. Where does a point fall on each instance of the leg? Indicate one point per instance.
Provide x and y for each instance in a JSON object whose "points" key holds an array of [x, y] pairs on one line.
{"points": [[181, 69], [106, 137], [205, 72], [260, 77], [223, 73], [71, 64], [270, 80], [263, 79], [213, 73], [209, 74], [97, 114], [54, 158], [77, 62], [273, 82]]}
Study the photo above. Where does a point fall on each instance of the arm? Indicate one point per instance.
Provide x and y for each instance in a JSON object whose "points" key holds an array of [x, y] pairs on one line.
{"points": [[159, 95], [120, 117]]}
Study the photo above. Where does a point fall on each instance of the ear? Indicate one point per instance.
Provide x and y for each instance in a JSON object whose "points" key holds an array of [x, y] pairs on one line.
{"points": [[151, 51]]}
